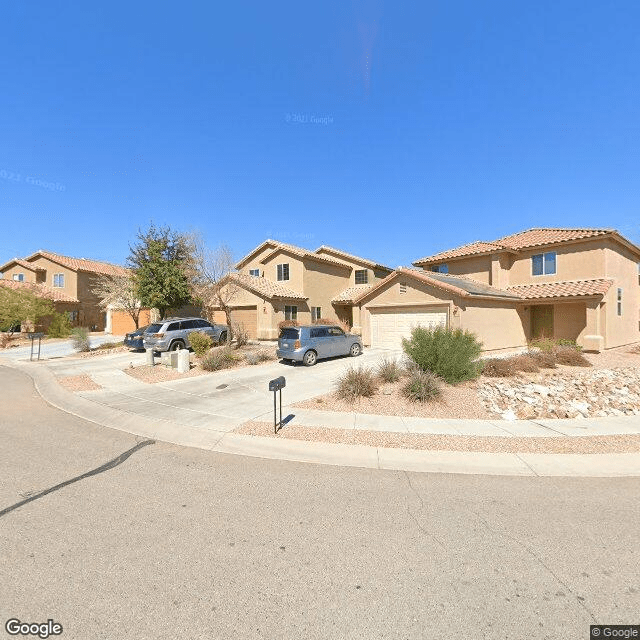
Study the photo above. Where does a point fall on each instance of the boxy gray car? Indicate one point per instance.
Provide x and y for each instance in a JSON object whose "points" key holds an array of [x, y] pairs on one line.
{"points": [[308, 344], [173, 333]]}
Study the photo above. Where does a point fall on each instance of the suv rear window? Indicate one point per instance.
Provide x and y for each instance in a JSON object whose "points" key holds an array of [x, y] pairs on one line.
{"points": [[174, 326], [290, 333], [154, 328]]}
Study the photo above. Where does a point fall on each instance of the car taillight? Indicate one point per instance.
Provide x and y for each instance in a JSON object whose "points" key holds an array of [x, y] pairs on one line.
{"points": [[296, 344], [157, 335]]}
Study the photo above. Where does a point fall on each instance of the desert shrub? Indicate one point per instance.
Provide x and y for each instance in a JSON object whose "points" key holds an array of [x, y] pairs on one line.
{"points": [[7, 338], [252, 358], [60, 326], [499, 368], [80, 339], [287, 323], [240, 334], [266, 354], [356, 382], [544, 359], [109, 345], [200, 342], [422, 386], [220, 358], [569, 356], [525, 363], [449, 353], [389, 370], [548, 345]]}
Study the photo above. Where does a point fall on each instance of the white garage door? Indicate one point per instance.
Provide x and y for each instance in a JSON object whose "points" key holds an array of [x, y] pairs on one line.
{"points": [[389, 326]]}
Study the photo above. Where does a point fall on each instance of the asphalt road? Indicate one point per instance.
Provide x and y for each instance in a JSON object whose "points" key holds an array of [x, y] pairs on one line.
{"points": [[169, 543]]}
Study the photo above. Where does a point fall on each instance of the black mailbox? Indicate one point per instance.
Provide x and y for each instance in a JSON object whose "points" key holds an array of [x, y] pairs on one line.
{"points": [[277, 383]]}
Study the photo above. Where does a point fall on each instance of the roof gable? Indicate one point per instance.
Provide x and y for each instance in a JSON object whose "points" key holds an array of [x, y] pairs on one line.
{"points": [[81, 264], [348, 256]]}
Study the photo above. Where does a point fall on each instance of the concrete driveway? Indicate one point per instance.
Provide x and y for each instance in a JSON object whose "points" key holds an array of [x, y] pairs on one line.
{"points": [[220, 401]]}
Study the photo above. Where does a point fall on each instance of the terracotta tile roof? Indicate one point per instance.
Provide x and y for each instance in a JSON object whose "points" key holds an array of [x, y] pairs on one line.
{"points": [[352, 293], [41, 290], [561, 289], [516, 242], [298, 251], [349, 256], [82, 264], [266, 288], [21, 263]]}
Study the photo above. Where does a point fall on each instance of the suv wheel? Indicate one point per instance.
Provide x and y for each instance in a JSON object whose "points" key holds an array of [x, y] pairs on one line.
{"points": [[176, 346], [355, 349], [310, 358]]}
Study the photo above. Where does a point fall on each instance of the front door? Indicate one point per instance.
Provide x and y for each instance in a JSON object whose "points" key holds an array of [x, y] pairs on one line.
{"points": [[542, 321]]}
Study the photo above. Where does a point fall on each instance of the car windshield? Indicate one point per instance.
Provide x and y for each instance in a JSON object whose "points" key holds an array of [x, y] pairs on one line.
{"points": [[289, 333], [154, 328]]}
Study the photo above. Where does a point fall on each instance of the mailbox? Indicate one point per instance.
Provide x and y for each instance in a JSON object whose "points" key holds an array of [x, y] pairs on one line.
{"points": [[277, 384]]}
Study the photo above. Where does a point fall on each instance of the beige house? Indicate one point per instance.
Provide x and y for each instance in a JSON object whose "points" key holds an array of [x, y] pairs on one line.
{"points": [[68, 281], [278, 281], [578, 284]]}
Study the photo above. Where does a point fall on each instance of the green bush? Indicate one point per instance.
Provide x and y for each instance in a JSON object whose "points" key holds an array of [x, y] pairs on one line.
{"points": [[60, 326], [200, 342], [422, 386], [356, 382], [80, 339], [220, 358], [449, 353], [389, 370]]}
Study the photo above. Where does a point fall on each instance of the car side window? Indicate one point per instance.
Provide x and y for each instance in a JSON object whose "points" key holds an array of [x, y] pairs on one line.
{"points": [[318, 333], [174, 326], [188, 324], [335, 331], [203, 324]]}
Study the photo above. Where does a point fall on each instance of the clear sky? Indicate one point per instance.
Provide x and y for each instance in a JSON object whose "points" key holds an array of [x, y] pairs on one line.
{"points": [[389, 130]]}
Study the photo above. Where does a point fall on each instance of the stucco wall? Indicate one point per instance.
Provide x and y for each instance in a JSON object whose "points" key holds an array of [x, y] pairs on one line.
{"points": [[296, 270], [70, 277], [497, 325], [322, 282]]}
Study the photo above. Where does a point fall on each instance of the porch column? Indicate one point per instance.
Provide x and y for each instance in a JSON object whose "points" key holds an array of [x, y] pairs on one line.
{"points": [[356, 317], [592, 340]]}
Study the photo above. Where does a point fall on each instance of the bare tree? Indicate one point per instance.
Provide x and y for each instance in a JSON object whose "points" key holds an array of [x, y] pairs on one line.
{"points": [[119, 291], [212, 277]]}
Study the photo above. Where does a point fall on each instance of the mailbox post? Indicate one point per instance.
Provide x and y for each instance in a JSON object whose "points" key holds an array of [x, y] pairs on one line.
{"points": [[276, 385], [33, 336]]}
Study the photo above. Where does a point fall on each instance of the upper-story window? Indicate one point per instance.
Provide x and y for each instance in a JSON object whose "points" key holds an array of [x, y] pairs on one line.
{"points": [[58, 280], [543, 264], [619, 302], [362, 276], [283, 271], [440, 268], [254, 272], [18, 277]]}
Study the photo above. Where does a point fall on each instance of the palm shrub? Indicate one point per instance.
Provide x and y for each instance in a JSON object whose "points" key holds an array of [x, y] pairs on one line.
{"points": [[356, 382], [200, 342], [80, 339], [451, 354], [422, 386]]}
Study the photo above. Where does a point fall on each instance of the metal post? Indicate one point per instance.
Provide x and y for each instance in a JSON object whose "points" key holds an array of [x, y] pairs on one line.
{"points": [[39, 343], [275, 424], [31, 354]]}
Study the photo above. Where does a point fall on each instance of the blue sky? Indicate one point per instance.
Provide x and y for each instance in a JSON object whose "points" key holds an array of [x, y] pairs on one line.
{"points": [[390, 130]]}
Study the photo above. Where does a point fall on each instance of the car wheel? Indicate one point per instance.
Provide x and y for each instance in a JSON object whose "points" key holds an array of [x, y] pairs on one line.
{"points": [[223, 337], [176, 346], [355, 350], [310, 358]]}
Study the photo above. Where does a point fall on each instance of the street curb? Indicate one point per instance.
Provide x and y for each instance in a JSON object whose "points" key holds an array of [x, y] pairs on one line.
{"points": [[459, 462]]}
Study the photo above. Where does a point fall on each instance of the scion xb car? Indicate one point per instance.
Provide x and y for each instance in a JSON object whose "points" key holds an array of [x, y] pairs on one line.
{"points": [[310, 343], [172, 334]]}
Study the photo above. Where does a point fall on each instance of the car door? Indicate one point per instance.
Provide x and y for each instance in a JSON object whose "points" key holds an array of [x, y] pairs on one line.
{"points": [[338, 341], [186, 327], [320, 341]]}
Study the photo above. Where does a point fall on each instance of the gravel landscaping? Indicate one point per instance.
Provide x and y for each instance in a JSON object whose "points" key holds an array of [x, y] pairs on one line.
{"points": [[78, 383], [488, 444]]}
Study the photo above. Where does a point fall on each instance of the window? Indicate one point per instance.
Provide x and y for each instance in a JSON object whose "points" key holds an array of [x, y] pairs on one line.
{"points": [[543, 264], [335, 331], [362, 276], [18, 277], [188, 324], [58, 280], [403, 287], [283, 271], [619, 302], [318, 333], [316, 313], [174, 326], [290, 313], [73, 316], [254, 272], [440, 268]]}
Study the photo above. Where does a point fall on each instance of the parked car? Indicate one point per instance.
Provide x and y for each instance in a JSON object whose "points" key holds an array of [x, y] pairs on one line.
{"points": [[172, 334], [310, 343], [134, 340]]}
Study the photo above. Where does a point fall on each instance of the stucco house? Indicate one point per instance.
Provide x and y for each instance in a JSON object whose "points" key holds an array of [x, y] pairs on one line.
{"points": [[578, 284], [278, 281], [68, 281]]}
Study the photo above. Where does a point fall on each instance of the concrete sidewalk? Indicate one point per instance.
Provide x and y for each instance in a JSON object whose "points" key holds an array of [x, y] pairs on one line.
{"points": [[203, 411]]}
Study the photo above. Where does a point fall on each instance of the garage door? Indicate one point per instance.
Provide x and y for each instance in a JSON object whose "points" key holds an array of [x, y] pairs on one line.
{"points": [[389, 326], [248, 317]]}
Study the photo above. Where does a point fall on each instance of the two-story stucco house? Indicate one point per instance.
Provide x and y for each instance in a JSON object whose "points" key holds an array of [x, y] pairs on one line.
{"points": [[578, 284], [278, 281], [65, 280]]}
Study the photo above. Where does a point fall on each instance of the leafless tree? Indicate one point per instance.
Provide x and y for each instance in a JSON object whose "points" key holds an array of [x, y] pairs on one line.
{"points": [[212, 277], [119, 291]]}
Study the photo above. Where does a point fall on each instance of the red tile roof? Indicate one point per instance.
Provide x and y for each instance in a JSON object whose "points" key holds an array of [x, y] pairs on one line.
{"points": [[352, 293], [516, 242], [21, 263], [298, 251], [267, 288], [349, 256], [41, 290], [566, 289], [82, 264]]}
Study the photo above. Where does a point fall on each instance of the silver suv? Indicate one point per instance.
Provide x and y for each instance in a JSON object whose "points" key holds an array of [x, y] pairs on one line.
{"points": [[308, 344], [172, 334]]}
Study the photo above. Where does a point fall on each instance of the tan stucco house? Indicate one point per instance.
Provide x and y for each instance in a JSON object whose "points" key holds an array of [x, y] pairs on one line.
{"points": [[278, 281], [68, 281], [578, 284]]}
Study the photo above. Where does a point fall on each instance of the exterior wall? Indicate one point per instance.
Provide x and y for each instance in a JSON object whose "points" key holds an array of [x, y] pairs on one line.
{"points": [[476, 267], [622, 266], [498, 325], [570, 320], [296, 270], [70, 276], [29, 276], [91, 313], [322, 282], [373, 275], [256, 260]]}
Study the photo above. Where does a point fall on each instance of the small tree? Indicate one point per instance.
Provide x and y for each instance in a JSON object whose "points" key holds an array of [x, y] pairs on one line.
{"points": [[121, 292], [160, 262], [18, 306]]}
